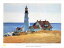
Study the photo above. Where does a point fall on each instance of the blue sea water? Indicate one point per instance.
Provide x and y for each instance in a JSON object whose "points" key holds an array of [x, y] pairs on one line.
{"points": [[10, 27]]}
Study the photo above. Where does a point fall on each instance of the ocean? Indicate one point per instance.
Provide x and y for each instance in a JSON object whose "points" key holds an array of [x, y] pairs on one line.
{"points": [[10, 27]]}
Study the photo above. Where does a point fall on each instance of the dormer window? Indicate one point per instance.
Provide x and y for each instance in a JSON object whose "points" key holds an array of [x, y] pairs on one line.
{"points": [[46, 25]]}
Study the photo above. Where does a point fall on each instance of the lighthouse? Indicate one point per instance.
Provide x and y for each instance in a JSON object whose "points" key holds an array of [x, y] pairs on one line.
{"points": [[26, 20]]}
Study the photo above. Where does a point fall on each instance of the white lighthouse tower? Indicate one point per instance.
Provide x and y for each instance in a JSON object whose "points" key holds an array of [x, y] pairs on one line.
{"points": [[26, 20]]}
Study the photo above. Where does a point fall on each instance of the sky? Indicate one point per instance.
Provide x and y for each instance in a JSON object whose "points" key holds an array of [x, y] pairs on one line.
{"points": [[14, 12]]}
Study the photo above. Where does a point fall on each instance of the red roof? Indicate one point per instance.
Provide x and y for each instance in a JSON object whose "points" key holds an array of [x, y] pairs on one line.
{"points": [[42, 23]]}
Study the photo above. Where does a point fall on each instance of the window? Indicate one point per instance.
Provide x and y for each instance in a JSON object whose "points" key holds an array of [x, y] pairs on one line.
{"points": [[46, 25]]}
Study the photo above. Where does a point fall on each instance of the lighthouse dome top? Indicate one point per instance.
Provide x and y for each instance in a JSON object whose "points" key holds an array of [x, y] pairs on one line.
{"points": [[26, 9]]}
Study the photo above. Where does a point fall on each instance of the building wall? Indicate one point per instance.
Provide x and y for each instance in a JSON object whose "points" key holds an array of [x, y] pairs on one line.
{"points": [[39, 25]]}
